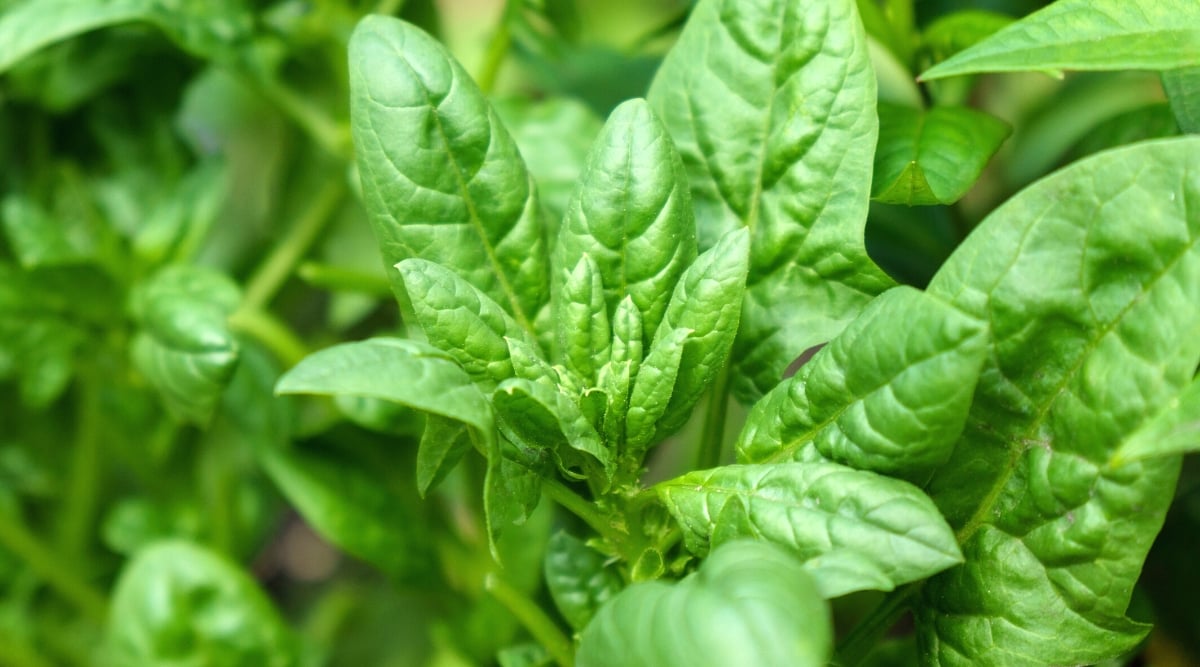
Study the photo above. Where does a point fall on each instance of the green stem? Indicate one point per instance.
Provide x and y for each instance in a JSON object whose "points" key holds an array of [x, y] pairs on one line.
{"points": [[271, 332], [79, 507], [497, 49], [583, 509], [47, 564], [713, 437], [339, 279], [866, 635], [533, 618], [274, 271]]}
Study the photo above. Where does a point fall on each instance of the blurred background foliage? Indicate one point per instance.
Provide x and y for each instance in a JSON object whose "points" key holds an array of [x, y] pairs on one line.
{"points": [[179, 222]]}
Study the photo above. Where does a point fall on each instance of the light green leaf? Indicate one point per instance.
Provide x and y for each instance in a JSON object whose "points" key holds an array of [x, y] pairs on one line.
{"points": [[406, 372], [853, 530], [1174, 430], [617, 375], [461, 320], [537, 416], [179, 604], [771, 105], [878, 397], [578, 578], [582, 334], [1087, 35], [632, 213], [932, 157], [652, 388], [749, 604], [1183, 90], [185, 347], [1093, 328], [39, 239], [443, 444], [442, 179]]}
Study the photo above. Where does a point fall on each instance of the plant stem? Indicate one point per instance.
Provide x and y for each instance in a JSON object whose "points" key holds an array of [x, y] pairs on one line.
{"points": [[866, 635], [713, 437], [533, 618], [79, 507], [497, 49], [60, 575], [340, 279], [278, 265], [274, 334], [583, 509]]}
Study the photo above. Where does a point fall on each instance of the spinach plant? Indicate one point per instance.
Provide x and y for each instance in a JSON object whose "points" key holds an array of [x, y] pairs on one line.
{"points": [[966, 448]]}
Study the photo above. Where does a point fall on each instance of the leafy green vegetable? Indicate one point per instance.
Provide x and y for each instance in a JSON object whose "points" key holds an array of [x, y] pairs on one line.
{"points": [[1174, 430], [932, 157], [578, 578], [743, 606], [1183, 89], [1087, 35]]}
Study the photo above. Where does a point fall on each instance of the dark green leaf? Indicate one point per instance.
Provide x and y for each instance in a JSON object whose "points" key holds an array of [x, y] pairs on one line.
{"points": [[853, 530], [578, 578], [932, 157], [1183, 90], [749, 604], [957, 31], [443, 444], [442, 178], [771, 105], [538, 415]]}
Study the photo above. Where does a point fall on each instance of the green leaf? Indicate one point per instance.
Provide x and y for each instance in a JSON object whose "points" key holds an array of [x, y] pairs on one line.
{"points": [[538, 415], [853, 530], [1087, 35], [512, 487], [443, 444], [616, 376], [348, 502], [402, 371], [1182, 87], [652, 388], [39, 239], [1174, 430], [771, 105], [581, 331], [932, 157], [632, 214], [1092, 329], [878, 397], [177, 603], [578, 578], [1152, 121], [461, 320], [442, 179], [185, 347], [957, 31], [749, 604]]}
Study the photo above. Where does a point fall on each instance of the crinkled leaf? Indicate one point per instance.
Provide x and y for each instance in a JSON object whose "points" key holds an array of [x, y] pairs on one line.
{"points": [[707, 302], [1087, 35], [581, 331], [536, 415], [402, 371], [632, 214], [652, 387], [878, 397], [932, 157], [185, 347], [1093, 328], [443, 444], [461, 320], [511, 487], [853, 529], [771, 104], [177, 603], [616, 376], [1174, 430], [1183, 90], [749, 604], [442, 179], [578, 578]]}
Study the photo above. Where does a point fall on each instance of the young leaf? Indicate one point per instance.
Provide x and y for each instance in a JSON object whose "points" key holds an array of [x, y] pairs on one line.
{"points": [[959, 30], [1087, 35], [853, 530], [749, 604], [877, 398], [443, 444], [1092, 323], [632, 213], [1174, 430], [616, 376], [771, 105], [578, 579], [582, 334], [442, 179], [932, 157], [537, 415], [652, 388], [185, 347], [178, 603], [402, 371], [1182, 87], [460, 319]]}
